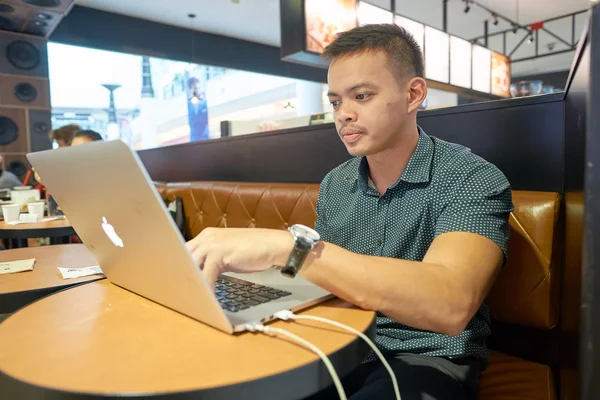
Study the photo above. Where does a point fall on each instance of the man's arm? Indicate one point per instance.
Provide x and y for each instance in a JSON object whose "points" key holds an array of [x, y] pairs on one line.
{"points": [[443, 292], [439, 294]]}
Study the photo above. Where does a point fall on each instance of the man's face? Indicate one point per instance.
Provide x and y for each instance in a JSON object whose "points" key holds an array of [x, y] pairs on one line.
{"points": [[79, 140], [370, 106], [196, 88]]}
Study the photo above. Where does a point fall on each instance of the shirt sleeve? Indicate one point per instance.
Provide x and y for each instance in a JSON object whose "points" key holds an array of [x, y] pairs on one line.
{"points": [[321, 221], [481, 204]]}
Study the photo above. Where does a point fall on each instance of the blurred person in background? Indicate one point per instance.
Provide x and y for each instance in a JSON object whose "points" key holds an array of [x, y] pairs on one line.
{"points": [[63, 135], [85, 136], [8, 180]]}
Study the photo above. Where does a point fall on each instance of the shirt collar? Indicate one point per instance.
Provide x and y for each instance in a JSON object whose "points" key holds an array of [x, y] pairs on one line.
{"points": [[418, 169]]}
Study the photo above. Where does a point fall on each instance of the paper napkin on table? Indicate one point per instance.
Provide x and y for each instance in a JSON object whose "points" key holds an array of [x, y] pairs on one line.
{"points": [[69, 273], [11, 267], [47, 219]]}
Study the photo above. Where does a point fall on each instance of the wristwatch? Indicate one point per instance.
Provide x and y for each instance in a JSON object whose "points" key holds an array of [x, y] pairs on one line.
{"points": [[305, 239]]}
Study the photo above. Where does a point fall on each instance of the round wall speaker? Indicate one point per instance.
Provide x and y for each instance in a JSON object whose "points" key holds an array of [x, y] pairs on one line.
{"points": [[5, 23], [23, 55], [9, 132], [43, 3], [17, 168], [41, 128], [5, 8], [26, 92]]}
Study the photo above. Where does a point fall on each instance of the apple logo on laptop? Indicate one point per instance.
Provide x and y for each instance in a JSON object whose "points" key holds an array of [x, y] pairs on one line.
{"points": [[111, 233]]}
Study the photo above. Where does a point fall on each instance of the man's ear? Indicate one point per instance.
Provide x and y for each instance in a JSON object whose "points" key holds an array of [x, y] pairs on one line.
{"points": [[417, 93]]}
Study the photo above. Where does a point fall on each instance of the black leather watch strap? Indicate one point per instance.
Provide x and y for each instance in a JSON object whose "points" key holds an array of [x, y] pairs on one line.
{"points": [[301, 249]]}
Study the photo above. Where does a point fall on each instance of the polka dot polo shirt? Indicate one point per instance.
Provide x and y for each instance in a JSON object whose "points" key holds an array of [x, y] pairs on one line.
{"points": [[444, 188]]}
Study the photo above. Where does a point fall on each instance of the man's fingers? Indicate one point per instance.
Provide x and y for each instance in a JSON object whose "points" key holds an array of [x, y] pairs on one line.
{"points": [[199, 255], [211, 271], [191, 246]]}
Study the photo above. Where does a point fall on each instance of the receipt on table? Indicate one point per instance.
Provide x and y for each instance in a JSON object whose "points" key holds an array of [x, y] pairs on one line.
{"points": [[17, 266], [69, 273]]}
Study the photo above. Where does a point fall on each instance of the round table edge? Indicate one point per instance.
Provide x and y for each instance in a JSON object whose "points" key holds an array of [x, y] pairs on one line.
{"points": [[305, 381]]}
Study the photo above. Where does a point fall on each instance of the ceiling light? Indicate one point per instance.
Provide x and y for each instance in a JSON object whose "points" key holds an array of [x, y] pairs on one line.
{"points": [[530, 40], [495, 20]]}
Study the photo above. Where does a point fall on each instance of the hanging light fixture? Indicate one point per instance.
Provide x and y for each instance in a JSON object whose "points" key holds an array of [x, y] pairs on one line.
{"points": [[195, 99], [467, 6]]}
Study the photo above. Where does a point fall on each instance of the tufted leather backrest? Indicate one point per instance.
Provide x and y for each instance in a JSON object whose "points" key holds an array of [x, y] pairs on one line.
{"points": [[526, 292], [245, 205]]}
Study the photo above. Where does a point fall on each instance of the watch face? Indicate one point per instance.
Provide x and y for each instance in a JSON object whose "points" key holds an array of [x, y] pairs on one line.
{"points": [[305, 231]]}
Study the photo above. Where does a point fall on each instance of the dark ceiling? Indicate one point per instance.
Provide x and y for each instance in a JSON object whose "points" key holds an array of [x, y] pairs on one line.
{"points": [[32, 17]]}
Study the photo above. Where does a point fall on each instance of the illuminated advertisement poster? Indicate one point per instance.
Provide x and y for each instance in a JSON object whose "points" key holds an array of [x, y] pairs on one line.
{"points": [[482, 65], [370, 14], [325, 19], [500, 75], [437, 55], [460, 62]]}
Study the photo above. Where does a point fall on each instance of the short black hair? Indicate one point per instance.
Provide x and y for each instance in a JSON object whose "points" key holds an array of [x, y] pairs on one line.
{"points": [[401, 48], [90, 134]]}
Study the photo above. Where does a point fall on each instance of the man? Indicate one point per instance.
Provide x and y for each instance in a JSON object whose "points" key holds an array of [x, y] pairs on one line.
{"points": [[85, 136], [64, 134], [8, 180], [413, 227]]}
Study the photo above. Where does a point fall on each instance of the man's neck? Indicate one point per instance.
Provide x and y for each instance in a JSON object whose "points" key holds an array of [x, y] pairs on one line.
{"points": [[386, 167]]}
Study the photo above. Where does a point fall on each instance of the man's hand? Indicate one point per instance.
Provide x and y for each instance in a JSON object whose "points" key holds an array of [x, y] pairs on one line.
{"points": [[218, 250]]}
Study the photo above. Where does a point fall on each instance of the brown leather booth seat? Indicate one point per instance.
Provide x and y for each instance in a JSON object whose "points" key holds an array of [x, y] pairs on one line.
{"points": [[526, 293]]}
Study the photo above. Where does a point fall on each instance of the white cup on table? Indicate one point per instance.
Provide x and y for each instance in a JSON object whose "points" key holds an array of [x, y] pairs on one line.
{"points": [[36, 208], [11, 212]]}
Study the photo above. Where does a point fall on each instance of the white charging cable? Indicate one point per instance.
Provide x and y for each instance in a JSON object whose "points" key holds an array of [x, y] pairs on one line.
{"points": [[287, 315], [278, 331]]}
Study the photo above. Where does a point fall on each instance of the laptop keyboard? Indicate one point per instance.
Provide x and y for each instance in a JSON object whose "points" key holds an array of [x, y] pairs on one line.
{"points": [[235, 294]]}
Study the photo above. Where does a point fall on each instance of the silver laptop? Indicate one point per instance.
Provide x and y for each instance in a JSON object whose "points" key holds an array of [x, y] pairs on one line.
{"points": [[110, 200]]}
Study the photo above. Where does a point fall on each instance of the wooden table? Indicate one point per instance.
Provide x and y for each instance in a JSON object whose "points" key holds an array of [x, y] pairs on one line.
{"points": [[100, 340], [18, 234], [20, 289]]}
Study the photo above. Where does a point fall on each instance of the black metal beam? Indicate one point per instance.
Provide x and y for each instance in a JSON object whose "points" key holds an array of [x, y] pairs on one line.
{"points": [[549, 32], [485, 33], [444, 16], [572, 15], [541, 55], [573, 29], [518, 45], [514, 23]]}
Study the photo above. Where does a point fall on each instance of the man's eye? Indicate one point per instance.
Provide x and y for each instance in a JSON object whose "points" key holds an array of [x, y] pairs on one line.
{"points": [[335, 103], [362, 96]]}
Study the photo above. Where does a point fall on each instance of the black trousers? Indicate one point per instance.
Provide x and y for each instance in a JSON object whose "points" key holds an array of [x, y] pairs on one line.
{"points": [[419, 378]]}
